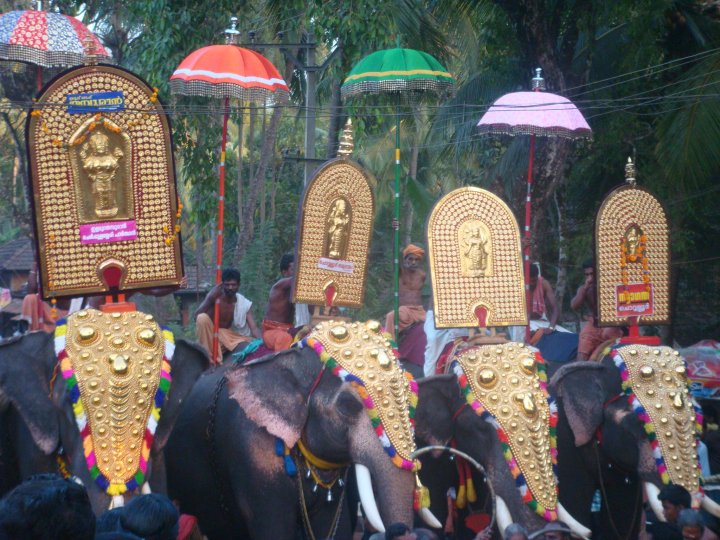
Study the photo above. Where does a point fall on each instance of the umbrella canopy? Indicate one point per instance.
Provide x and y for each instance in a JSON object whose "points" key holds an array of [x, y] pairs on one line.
{"points": [[229, 71], [535, 113], [397, 70], [46, 39]]}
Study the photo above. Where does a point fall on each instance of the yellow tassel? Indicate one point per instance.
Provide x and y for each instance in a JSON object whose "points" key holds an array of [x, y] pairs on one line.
{"points": [[421, 495], [471, 495], [461, 500]]}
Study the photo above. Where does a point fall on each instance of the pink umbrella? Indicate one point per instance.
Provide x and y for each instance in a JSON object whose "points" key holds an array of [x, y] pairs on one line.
{"points": [[534, 113], [227, 71]]}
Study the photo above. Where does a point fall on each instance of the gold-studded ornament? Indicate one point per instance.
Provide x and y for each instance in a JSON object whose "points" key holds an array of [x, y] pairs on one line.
{"points": [[117, 371], [506, 385], [360, 355], [654, 379]]}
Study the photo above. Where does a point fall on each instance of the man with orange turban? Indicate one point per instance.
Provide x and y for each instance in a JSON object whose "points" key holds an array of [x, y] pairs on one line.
{"points": [[412, 279]]}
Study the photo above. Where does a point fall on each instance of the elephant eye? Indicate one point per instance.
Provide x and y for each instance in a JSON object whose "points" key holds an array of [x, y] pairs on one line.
{"points": [[348, 404]]}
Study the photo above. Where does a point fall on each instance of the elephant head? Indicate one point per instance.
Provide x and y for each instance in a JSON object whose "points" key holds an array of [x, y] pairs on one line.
{"points": [[630, 412], [337, 399], [488, 397], [39, 411]]}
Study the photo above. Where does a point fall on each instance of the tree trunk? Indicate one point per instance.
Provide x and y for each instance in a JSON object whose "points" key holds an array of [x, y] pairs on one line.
{"points": [[561, 282], [20, 217], [262, 178], [337, 121], [241, 146]]}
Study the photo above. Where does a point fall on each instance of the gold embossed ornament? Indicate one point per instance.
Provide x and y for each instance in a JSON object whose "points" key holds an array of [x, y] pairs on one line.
{"points": [[358, 354], [506, 385], [117, 370]]}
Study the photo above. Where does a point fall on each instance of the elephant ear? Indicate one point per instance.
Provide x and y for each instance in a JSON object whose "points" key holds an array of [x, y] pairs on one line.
{"points": [[188, 363], [273, 391], [26, 368], [580, 387]]}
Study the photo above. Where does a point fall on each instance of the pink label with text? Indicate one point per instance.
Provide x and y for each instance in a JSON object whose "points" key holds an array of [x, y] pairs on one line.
{"points": [[346, 267], [111, 231]]}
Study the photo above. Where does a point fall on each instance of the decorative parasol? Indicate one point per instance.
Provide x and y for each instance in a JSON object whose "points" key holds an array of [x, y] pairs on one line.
{"points": [[46, 39], [408, 73], [227, 71], [534, 113]]}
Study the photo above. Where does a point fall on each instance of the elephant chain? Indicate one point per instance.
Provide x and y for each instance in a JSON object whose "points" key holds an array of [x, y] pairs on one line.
{"points": [[306, 517]]}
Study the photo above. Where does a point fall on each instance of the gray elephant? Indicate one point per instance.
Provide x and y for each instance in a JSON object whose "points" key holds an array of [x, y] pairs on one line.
{"points": [[602, 435], [38, 426], [245, 428], [443, 414]]}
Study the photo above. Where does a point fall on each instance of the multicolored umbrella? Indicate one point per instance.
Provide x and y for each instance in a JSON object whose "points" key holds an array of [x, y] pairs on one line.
{"points": [[46, 39], [227, 71], [534, 113], [409, 74]]}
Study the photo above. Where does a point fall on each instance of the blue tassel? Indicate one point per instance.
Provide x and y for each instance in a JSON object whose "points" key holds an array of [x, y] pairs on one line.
{"points": [[290, 468], [279, 447]]}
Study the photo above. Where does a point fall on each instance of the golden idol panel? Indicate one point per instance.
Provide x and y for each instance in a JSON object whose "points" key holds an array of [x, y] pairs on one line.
{"points": [[336, 220], [475, 261], [103, 183], [632, 255]]}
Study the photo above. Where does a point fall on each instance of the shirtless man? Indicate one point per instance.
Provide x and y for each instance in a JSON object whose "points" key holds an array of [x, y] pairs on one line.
{"points": [[412, 279], [236, 321], [280, 312], [591, 336]]}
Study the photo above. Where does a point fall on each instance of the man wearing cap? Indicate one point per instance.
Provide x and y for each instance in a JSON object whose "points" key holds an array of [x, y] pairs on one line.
{"points": [[412, 279], [555, 530]]}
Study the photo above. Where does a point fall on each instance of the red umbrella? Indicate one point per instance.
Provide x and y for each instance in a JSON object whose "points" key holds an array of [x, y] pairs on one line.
{"points": [[46, 39], [534, 113], [227, 71]]}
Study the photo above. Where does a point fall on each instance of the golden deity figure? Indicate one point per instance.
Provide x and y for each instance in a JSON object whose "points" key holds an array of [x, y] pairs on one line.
{"points": [[474, 249], [101, 164], [632, 240], [338, 229]]}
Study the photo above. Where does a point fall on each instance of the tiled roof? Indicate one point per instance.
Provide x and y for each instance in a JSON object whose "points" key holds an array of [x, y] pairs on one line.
{"points": [[17, 255]]}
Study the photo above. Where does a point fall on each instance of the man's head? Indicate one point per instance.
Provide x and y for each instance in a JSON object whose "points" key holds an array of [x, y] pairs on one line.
{"points": [[674, 499], [287, 265], [588, 267], [230, 281], [515, 531], [534, 273], [412, 256], [399, 531], [556, 530], [153, 517], [47, 507], [691, 524]]}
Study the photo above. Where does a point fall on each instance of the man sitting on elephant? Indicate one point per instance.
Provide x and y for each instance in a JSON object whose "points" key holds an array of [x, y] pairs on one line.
{"points": [[412, 279], [280, 312], [591, 336], [236, 321]]}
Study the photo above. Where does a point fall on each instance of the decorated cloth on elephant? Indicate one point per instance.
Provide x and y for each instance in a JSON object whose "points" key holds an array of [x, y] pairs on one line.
{"points": [[229, 338]]}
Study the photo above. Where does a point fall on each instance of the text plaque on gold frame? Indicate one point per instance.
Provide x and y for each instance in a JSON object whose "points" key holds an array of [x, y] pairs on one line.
{"points": [[103, 183]]}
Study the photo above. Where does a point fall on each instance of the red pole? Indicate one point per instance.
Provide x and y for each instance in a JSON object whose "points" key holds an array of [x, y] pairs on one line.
{"points": [[526, 249], [221, 218]]}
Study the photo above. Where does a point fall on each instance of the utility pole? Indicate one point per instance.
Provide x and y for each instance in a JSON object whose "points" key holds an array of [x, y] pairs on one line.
{"points": [[310, 70]]}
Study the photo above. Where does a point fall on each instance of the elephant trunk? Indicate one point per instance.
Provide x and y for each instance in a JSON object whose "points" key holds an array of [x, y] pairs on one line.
{"points": [[367, 497]]}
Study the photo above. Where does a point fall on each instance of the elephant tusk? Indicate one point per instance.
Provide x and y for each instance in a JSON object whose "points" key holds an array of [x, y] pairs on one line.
{"points": [[570, 521], [651, 492], [118, 501], [367, 497], [502, 515], [710, 506], [146, 489], [429, 519]]}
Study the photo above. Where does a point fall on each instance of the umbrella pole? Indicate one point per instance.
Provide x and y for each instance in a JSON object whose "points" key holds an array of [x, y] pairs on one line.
{"points": [[526, 248], [221, 218], [396, 221]]}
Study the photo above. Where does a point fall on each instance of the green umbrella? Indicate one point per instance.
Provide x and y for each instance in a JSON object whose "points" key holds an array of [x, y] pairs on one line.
{"points": [[409, 74]]}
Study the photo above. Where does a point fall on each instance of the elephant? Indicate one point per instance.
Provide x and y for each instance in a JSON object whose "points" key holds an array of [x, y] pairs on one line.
{"points": [[442, 414], [602, 444], [232, 456], [37, 424]]}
